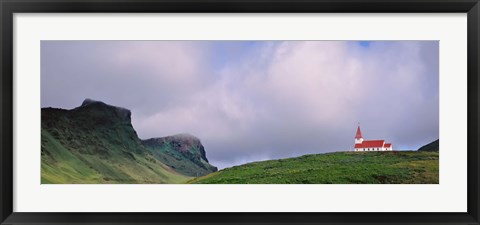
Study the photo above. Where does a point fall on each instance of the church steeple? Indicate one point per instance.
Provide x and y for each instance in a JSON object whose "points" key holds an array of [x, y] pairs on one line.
{"points": [[358, 135]]}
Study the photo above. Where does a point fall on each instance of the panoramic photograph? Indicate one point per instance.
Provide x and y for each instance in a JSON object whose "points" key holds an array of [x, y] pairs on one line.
{"points": [[239, 112]]}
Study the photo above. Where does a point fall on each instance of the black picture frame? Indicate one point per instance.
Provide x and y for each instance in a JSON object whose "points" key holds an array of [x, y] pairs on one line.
{"points": [[9, 7]]}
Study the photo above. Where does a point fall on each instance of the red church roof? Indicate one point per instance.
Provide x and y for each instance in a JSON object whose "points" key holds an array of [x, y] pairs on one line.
{"points": [[371, 144], [359, 133], [387, 145]]}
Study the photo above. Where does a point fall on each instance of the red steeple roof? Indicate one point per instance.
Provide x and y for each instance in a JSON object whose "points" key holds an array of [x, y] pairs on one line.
{"points": [[359, 133]]}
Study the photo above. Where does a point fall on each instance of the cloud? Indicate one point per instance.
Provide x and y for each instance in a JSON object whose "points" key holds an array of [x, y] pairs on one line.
{"points": [[147, 76], [250, 101]]}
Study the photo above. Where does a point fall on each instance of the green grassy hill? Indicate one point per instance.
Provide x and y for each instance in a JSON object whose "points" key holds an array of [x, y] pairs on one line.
{"points": [[396, 167], [96, 143]]}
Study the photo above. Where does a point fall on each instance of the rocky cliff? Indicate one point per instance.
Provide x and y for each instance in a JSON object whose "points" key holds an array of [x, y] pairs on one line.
{"points": [[96, 143]]}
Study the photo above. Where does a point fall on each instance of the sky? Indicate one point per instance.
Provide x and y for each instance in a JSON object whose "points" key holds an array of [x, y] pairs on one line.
{"points": [[255, 100]]}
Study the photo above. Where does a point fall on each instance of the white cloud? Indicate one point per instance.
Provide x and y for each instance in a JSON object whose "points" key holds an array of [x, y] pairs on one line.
{"points": [[279, 99]]}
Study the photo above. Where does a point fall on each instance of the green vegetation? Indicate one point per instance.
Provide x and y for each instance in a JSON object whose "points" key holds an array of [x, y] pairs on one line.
{"points": [[396, 167], [96, 143]]}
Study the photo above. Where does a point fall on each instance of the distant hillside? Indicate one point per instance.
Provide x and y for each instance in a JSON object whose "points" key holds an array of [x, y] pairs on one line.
{"points": [[431, 147], [96, 143], [397, 167], [184, 153]]}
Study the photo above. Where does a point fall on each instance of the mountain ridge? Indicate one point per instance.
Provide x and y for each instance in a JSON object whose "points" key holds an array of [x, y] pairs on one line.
{"points": [[433, 146], [96, 143]]}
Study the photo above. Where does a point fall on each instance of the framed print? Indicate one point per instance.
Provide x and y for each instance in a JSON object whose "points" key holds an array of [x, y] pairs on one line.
{"points": [[232, 112]]}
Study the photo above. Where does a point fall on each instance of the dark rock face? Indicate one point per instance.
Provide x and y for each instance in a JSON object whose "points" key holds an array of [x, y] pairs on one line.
{"points": [[183, 143], [431, 147], [101, 108], [184, 152], [88, 127], [88, 101]]}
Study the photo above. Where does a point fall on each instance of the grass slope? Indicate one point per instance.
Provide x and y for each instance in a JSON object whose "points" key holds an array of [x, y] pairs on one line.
{"points": [[63, 165], [397, 167]]}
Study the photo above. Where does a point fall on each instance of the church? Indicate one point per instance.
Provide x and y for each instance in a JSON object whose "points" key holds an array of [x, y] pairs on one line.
{"points": [[370, 145]]}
